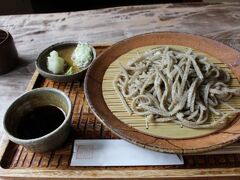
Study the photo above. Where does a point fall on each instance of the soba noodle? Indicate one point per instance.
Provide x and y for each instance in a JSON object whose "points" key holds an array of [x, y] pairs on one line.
{"points": [[169, 85]]}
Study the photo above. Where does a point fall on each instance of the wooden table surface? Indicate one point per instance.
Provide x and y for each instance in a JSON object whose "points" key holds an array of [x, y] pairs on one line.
{"points": [[33, 33]]}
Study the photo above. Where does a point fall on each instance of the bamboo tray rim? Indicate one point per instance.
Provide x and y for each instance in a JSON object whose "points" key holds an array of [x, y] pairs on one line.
{"points": [[76, 174]]}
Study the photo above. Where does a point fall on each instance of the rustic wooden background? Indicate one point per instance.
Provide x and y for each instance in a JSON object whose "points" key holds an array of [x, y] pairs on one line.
{"points": [[33, 33]]}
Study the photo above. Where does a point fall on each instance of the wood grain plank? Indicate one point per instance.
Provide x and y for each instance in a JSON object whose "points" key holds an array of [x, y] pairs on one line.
{"points": [[36, 160], [16, 156], [29, 159], [211, 173], [22, 158]]}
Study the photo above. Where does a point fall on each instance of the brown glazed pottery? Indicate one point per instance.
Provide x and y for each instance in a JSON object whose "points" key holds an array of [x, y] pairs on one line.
{"points": [[27, 102], [8, 52], [94, 94]]}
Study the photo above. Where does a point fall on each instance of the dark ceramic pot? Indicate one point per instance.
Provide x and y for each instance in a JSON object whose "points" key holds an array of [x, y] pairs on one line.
{"points": [[8, 52]]}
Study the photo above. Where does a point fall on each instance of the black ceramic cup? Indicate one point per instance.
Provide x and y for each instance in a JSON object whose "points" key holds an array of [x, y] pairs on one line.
{"points": [[8, 52]]}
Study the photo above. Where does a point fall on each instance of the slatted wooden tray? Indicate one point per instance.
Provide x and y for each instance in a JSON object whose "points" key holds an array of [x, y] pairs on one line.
{"points": [[16, 161]]}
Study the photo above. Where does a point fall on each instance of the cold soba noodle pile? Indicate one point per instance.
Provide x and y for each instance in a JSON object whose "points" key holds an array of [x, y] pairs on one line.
{"points": [[166, 84]]}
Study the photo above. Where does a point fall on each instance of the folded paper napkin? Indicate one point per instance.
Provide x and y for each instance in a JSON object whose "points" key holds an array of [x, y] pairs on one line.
{"points": [[118, 153]]}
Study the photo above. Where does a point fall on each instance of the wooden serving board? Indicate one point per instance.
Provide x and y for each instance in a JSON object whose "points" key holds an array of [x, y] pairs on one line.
{"points": [[18, 162]]}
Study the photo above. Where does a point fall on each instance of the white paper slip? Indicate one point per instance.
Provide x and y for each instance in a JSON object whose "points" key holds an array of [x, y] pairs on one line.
{"points": [[118, 153]]}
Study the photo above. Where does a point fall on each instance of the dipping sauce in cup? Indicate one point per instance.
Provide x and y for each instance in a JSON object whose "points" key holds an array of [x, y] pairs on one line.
{"points": [[40, 119]]}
